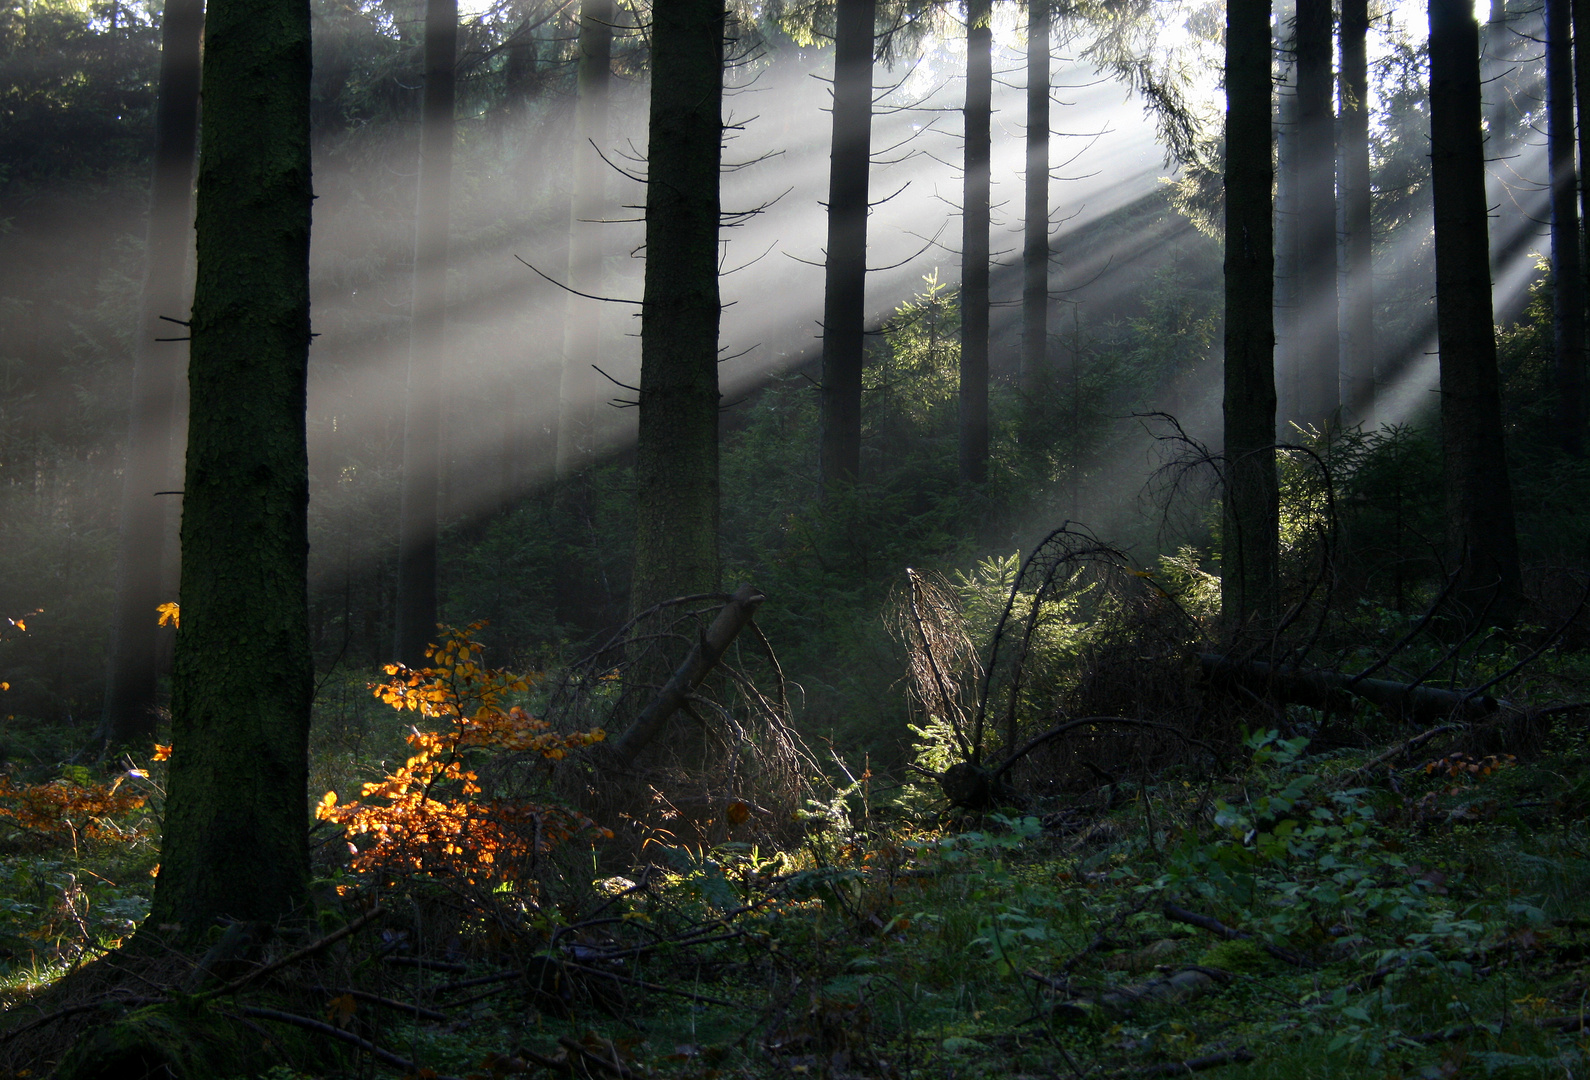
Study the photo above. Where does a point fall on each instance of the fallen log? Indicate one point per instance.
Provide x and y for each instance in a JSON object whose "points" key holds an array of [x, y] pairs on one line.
{"points": [[1321, 688], [703, 657]]}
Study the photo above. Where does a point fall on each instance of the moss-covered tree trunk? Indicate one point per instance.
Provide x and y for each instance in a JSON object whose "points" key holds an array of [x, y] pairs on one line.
{"points": [[236, 826], [420, 513], [1035, 232], [134, 662], [1358, 292], [577, 389], [1480, 529], [974, 244], [1319, 341], [845, 269], [1567, 270], [1249, 551], [676, 455]]}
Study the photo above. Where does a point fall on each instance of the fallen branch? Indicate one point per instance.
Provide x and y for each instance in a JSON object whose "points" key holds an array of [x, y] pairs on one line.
{"points": [[1182, 1068], [322, 1028], [1353, 775], [1177, 913], [1321, 688], [576, 1050], [1182, 986], [703, 657], [307, 951]]}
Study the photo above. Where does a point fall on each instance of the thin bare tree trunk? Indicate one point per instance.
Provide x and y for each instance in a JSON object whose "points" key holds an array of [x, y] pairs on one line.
{"points": [[419, 517], [158, 365], [845, 270], [974, 244], [577, 392]]}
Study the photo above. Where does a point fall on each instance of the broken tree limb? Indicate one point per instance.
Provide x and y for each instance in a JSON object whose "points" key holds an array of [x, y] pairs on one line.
{"points": [[703, 657], [1320, 687], [1177, 913]]}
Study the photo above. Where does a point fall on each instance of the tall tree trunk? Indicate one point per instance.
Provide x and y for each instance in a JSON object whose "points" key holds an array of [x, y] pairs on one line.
{"points": [[1567, 267], [582, 322], [1287, 300], [974, 244], [134, 662], [676, 455], [235, 841], [1480, 528], [1250, 546], [845, 270], [418, 519], [1320, 342], [1035, 242], [1581, 85], [1358, 278]]}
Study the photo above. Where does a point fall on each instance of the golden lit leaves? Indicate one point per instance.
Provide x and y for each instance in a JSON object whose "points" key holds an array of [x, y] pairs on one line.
{"points": [[162, 753], [170, 614], [429, 819], [64, 812]]}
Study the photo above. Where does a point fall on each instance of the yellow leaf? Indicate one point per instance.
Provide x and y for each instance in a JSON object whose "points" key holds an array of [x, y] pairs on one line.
{"points": [[341, 1008], [5, 686], [170, 613]]}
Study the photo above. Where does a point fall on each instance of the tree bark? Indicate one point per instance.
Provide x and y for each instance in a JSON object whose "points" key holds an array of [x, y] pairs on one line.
{"points": [[1358, 277], [235, 840], [974, 244], [676, 455], [1480, 528], [581, 338], [1567, 269], [1320, 340], [1287, 301], [419, 516], [135, 647], [1035, 242], [1580, 10], [1250, 543], [845, 269]]}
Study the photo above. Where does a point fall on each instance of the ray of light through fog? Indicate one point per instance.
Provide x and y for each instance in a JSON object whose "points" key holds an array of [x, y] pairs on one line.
{"points": [[505, 342]]}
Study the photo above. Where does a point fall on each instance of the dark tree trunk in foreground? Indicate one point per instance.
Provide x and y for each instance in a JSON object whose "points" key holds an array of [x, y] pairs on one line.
{"points": [[577, 390], [1286, 253], [1358, 299], [1581, 86], [1249, 556], [1480, 529], [845, 271], [1319, 343], [676, 456], [974, 245], [1035, 241], [422, 456], [1567, 267], [134, 663], [235, 841]]}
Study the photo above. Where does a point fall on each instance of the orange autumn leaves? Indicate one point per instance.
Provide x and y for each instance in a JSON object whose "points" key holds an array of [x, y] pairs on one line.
{"points": [[430, 817]]}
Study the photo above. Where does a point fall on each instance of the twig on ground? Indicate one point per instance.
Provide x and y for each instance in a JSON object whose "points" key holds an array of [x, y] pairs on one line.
{"points": [[322, 1028], [307, 951], [1177, 913]]}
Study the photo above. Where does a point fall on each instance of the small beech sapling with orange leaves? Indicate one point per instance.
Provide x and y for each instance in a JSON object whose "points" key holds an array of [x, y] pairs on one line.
{"points": [[429, 816]]}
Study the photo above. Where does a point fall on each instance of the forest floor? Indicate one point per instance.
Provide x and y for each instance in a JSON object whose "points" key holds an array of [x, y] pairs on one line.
{"points": [[1351, 914]]}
